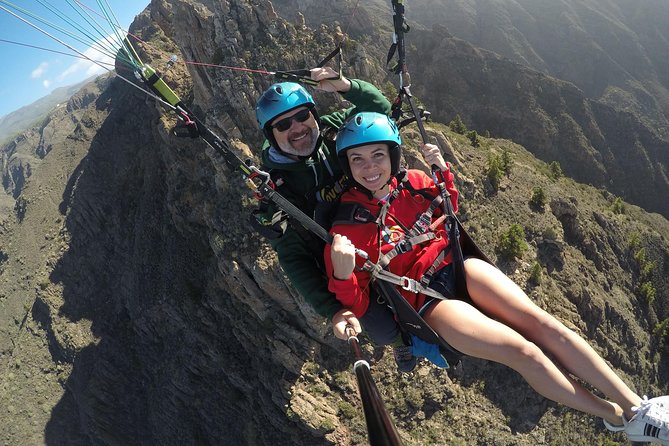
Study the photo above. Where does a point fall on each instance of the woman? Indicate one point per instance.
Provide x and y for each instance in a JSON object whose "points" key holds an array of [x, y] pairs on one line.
{"points": [[503, 324]]}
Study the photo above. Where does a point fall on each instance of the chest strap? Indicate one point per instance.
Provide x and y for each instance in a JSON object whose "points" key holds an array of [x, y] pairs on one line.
{"points": [[421, 232]]}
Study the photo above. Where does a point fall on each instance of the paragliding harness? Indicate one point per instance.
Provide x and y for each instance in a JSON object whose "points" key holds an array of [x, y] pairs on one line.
{"points": [[385, 283]]}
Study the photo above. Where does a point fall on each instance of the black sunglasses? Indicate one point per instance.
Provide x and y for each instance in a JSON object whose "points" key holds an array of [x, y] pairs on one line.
{"points": [[285, 123]]}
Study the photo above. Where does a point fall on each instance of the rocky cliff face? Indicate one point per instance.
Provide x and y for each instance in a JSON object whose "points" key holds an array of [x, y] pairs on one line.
{"points": [[139, 308], [581, 83]]}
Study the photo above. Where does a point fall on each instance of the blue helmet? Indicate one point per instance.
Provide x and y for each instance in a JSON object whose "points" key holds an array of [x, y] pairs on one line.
{"points": [[369, 128], [279, 99]]}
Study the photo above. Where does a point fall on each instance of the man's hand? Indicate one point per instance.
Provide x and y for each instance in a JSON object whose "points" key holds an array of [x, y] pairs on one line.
{"points": [[341, 320], [328, 81]]}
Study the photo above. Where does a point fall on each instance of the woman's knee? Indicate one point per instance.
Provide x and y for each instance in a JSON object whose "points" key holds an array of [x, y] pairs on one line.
{"points": [[544, 328], [524, 355]]}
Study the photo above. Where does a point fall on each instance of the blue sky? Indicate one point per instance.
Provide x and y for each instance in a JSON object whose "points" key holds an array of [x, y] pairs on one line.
{"points": [[29, 73]]}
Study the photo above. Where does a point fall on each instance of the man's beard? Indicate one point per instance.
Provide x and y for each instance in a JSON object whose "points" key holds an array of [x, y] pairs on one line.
{"points": [[287, 147]]}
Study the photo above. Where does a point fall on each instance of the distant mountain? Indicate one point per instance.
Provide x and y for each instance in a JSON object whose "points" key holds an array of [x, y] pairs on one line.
{"points": [[24, 117], [614, 51], [580, 82]]}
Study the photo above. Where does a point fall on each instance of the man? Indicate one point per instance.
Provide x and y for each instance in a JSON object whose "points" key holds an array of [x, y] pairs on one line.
{"points": [[300, 155]]}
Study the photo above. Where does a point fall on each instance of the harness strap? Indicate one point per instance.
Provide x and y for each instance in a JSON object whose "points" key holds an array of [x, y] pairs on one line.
{"points": [[405, 245], [424, 222], [421, 231], [304, 75], [427, 277], [386, 205], [407, 283]]}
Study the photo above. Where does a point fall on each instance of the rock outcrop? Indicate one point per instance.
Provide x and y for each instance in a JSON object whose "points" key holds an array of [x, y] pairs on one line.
{"points": [[139, 308]]}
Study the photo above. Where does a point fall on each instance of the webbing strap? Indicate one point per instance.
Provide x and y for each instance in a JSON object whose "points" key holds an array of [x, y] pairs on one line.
{"points": [[407, 283], [427, 276], [304, 75], [405, 245]]}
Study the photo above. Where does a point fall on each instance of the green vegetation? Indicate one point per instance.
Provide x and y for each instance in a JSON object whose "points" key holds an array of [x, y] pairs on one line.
{"points": [[618, 206], [474, 138], [647, 291], [457, 125], [538, 199], [347, 410], [662, 329], [646, 267], [536, 274], [328, 424], [634, 240], [555, 170], [495, 171], [647, 270], [647, 288], [507, 161], [512, 243]]}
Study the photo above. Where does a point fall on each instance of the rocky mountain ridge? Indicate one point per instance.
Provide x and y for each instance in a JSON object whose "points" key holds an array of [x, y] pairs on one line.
{"points": [[139, 308], [580, 83], [26, 116]]}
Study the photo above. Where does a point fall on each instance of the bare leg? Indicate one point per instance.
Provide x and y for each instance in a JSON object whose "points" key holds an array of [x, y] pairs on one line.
{"points": [[500, 298], [473, 333]]}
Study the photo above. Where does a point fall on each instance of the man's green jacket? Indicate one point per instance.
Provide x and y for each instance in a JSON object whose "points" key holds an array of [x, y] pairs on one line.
{"points": [[304, 184]]}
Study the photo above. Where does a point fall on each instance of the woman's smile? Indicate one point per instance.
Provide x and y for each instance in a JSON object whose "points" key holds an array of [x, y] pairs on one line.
{"points": [[370, 167]]}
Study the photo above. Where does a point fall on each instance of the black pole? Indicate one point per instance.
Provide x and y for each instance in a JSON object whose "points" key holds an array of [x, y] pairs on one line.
{"points": [[380, 426]]}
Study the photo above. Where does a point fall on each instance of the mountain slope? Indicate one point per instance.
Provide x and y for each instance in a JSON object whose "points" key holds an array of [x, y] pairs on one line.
{"points": [[137, 307], [593, 142], [612, 50], [24, 117]]}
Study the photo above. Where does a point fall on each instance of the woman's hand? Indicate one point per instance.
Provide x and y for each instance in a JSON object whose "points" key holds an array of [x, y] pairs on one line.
{"points": [[341, 320], [329, 80], [342, 254], [432, 156]]}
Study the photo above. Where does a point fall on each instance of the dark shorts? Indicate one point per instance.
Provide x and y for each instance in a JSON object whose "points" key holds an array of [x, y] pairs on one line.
{"points": [[379, 322], [443, 281]]}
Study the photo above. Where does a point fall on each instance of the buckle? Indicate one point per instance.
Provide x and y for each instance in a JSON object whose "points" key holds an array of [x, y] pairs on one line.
{"points": [[408, 284], [403, 246]]}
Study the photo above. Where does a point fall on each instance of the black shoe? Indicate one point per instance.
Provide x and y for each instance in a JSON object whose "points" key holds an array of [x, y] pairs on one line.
{"points": [[404, 359]]}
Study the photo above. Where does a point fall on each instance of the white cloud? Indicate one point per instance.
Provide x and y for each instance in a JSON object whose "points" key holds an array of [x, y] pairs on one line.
{"points": [[84, 68], [46, 83], [39, 71]]}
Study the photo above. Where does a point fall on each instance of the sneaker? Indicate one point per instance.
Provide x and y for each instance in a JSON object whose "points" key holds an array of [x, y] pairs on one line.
{"points": [[650, 422], [404, 358]]}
